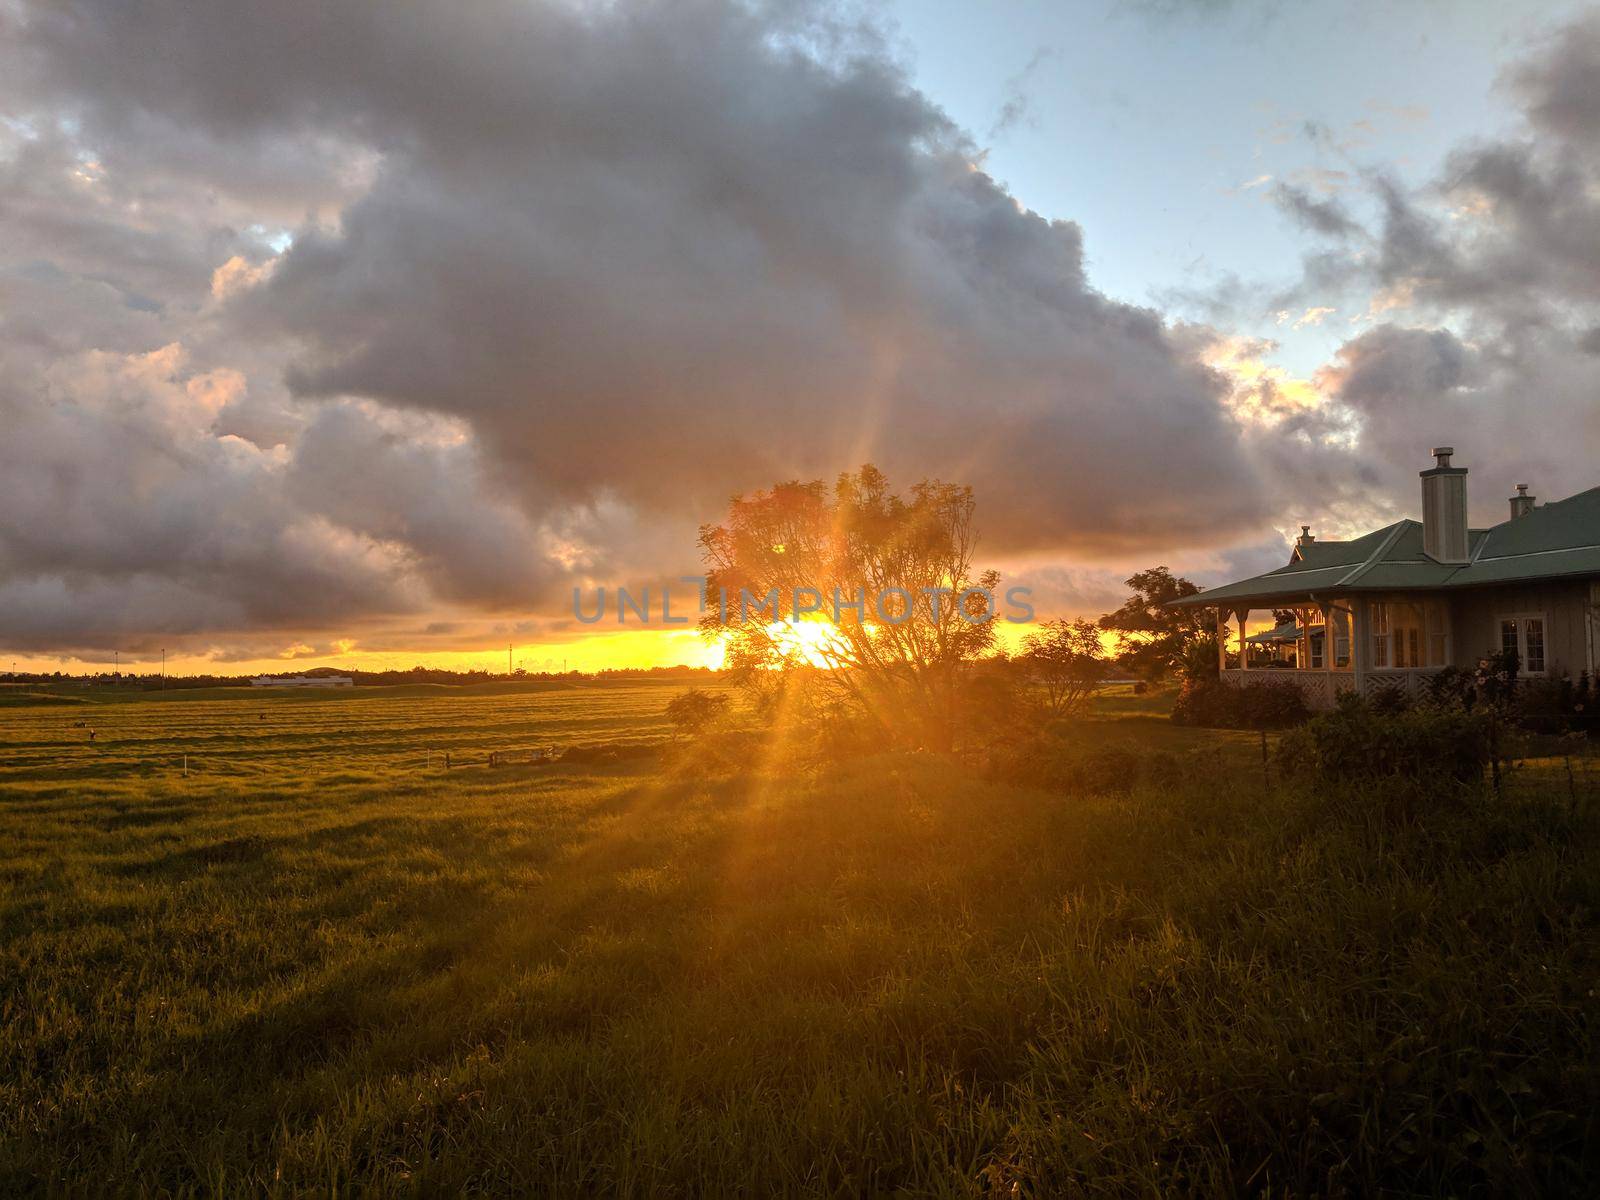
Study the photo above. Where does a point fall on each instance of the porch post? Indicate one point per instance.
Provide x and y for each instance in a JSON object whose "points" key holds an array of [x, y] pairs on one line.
{"points": [[1222, 639], [1360, 644], [1244, 649], [1591, 630]]}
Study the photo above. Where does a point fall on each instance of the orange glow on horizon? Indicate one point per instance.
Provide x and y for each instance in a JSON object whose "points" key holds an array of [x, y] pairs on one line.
{"points": [[626, 649]]}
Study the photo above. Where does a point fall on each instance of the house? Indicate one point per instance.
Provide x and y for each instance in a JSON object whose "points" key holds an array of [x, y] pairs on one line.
{"points": [[302, 681], [1397, 605]]}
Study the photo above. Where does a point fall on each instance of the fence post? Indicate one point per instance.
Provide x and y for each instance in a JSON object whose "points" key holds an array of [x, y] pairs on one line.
{"points": [[1494, 753], [1266, 775]]}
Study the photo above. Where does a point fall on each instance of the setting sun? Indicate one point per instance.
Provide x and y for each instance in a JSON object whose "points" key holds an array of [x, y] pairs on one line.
{"points": [[811, 638]]}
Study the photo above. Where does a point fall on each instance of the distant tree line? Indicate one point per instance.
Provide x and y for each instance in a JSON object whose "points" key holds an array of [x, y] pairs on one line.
{"points": [[152, 682]]}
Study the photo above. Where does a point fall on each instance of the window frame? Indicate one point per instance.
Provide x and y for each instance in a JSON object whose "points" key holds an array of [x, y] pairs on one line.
{"points": [[1521, 619], [1339, 622], [1404, 632]]}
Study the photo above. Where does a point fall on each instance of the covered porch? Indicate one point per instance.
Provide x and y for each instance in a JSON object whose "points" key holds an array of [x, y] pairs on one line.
{"points": [[1328, 645]]}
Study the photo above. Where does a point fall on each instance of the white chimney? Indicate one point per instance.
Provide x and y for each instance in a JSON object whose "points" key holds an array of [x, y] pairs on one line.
{"points": [[1444, 509], [1522, 503], [1305, 537]]}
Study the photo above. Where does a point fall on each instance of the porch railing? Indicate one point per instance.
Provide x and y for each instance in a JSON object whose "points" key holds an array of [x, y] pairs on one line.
{"points": [[1321, 688]]}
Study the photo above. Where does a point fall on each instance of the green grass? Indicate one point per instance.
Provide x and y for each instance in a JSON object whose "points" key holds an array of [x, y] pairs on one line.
{"points": [[385, 734], [319, 964]]}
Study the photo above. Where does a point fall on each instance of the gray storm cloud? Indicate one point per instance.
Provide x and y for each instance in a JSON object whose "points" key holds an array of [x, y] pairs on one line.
{"points": [[639, 257], [686, 256]]}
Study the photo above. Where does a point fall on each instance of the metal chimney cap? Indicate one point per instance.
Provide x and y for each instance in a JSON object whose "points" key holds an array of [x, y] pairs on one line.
{"points": [[1522, 489]]}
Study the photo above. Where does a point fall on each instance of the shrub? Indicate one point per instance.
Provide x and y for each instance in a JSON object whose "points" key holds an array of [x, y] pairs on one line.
{"points": [[1213, 704], [1452, 688], [718, 752], [831, 732], [695, 710], [1556, 705], [1199, 658], [1389, 701], [610, 752], [1358, 742], [989, 706], [1495, 680], [1542, 703]]}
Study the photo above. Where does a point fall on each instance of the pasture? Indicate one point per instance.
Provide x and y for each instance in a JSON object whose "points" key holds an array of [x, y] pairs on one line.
{"points": [[323, 963]]}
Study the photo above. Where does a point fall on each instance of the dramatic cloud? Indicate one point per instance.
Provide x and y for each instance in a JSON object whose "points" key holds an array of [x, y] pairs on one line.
{"points": [[634, 258], [1487, 284], [125, 518], [319, 315]]}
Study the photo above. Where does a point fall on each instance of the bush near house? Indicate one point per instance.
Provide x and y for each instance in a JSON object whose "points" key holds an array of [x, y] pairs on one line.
{"points": [[1559, 705], [1361, 741], [1212, 704]]}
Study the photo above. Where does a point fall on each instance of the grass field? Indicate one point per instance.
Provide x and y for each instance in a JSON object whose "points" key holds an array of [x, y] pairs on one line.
{"points": [[253, 733], [321, 962]]}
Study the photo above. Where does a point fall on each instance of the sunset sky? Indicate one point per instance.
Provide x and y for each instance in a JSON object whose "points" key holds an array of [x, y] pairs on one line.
{"points": [[361, 334]]}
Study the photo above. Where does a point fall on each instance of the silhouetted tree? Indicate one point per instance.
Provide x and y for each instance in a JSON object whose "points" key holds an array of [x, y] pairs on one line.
{"points": [[1064, 658], [889, 584], [1152, 639]]}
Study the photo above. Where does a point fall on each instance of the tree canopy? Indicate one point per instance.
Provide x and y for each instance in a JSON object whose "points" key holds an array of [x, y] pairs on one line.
{"points": [[869, 594], [1064, 658], [1152, 639]]}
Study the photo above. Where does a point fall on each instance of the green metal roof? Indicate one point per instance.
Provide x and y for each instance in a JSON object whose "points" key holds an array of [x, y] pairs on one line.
{"points": [[1554, 541]]}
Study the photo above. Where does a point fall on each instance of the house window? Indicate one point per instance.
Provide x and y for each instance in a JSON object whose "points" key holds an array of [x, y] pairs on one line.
{"points": [[1533, 645], [1339, 625], [1310, 649], [1522, 634], [1438, 635], [1409, 635], [1407, 620], [1399, 626]]}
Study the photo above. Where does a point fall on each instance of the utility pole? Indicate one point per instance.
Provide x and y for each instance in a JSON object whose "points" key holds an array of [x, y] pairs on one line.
{"points": [[508, 660], [163, 668]]}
